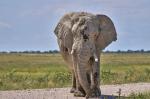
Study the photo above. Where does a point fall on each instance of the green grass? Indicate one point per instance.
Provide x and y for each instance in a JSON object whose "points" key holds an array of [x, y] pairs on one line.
{"points": [[139, 96], [30, 71], [125, 68]]}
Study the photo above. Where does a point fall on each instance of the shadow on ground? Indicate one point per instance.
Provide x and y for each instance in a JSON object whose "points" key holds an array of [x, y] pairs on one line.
{"points": [[111, 97]]}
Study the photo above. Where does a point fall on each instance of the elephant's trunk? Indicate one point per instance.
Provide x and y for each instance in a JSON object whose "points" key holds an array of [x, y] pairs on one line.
{"points": [[82, 73]]}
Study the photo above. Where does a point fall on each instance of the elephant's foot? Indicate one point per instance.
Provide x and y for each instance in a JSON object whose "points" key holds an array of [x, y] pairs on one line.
{"points": [[81, 90], [78, 93], [72, 90], [96, 92], [88, 95]]}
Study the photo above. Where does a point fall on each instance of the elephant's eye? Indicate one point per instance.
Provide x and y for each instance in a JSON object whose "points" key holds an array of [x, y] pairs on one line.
{"points": [[85, 37]]}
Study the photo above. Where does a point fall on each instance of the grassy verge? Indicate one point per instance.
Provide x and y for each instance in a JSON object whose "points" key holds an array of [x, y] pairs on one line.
{"points": [[28, 71]]}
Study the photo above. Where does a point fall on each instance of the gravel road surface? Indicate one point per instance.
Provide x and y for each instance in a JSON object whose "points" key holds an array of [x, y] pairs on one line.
{"points": [[63, 93]]}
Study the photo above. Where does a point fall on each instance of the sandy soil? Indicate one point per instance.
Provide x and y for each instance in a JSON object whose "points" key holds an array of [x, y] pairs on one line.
{"points": [[63, 93]]}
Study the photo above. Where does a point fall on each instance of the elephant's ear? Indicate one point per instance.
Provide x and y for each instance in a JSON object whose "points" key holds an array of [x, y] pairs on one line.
{"points": [[57, 30], [64, 34], [107, 31]]}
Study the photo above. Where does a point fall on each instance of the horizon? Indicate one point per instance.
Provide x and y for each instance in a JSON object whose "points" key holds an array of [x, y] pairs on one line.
{"points": [[28, 25], [41, 51]]}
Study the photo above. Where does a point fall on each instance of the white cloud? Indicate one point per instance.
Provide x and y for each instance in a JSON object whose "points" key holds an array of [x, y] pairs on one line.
{"points": [[4, 25]]}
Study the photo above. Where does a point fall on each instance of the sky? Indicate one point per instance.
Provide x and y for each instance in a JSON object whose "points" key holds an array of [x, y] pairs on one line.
{"points": [[29, 24]]}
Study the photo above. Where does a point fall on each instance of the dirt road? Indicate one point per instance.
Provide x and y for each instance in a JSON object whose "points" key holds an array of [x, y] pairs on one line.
{"points": [[63, 93]]}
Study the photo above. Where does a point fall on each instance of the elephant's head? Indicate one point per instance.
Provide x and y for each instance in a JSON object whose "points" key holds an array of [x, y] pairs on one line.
{"points": [[92, 33]]}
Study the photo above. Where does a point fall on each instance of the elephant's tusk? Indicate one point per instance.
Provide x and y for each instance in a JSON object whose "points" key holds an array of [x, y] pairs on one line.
{"points": [[95, 57], [72, 51]]}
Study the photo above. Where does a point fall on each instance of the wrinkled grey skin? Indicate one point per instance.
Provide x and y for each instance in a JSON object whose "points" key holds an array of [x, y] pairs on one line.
{"points": [[81, 38]]}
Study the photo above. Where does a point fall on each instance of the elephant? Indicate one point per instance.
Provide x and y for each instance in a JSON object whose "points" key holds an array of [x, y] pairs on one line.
{"points": [[81, 37]]}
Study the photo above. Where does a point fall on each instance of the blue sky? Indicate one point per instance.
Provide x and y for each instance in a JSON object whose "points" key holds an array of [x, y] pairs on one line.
{"points": [[29, 24]]}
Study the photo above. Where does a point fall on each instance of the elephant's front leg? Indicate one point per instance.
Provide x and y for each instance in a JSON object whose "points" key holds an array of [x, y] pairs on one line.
{"points": [[95, 80]]}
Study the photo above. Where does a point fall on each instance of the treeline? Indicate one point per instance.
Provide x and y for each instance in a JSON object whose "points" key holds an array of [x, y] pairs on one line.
{"points": [[31, 52], [56, 51], [129, 51]]}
